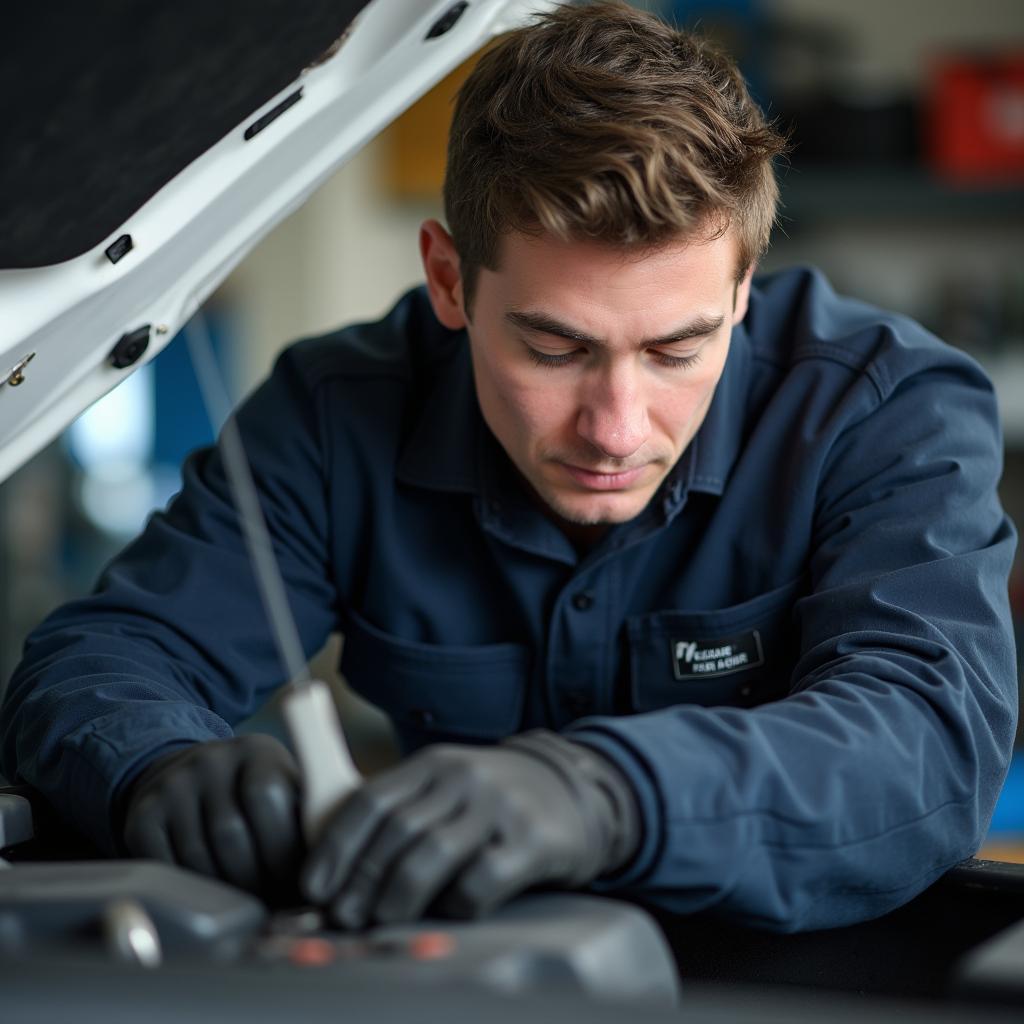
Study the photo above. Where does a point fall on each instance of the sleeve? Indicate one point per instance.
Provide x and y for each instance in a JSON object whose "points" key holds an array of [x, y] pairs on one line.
{"points": [[173, 646], [881, 768]]}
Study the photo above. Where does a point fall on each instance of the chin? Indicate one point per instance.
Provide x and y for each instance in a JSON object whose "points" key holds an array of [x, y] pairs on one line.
{"points": [[608, 510]]}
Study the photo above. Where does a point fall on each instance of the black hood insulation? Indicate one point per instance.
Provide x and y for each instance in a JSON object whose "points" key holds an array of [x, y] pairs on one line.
{"points": [[103, 103]]}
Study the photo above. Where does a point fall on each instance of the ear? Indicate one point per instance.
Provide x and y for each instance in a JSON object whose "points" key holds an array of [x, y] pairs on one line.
{"points": [[441, 267], [741, 299]]}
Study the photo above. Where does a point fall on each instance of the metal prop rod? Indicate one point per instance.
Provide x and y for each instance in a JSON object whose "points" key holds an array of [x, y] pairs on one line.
{"points": [[307, 705]]}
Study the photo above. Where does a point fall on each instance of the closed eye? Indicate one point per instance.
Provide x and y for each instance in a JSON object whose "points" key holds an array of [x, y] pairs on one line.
{"points": [[676, 362], [661, 358], [543, 359]]}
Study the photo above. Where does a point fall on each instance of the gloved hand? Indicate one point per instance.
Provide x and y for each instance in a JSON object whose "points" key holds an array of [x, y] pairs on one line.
{"points": [[474, 826], [227, 808]]}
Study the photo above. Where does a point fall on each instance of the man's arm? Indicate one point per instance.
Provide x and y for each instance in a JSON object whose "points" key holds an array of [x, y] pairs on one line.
{"points": [[173, 647], [881, 769]]}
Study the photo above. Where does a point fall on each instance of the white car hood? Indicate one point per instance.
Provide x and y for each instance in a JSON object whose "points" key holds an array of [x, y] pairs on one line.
{"points": [[78, 312]]}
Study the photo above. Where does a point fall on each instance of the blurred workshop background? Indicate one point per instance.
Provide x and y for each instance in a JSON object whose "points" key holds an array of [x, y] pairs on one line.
{"points": [[906, 185]]}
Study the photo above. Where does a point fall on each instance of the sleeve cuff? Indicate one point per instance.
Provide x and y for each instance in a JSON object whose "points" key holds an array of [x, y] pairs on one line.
{"points": [[594, 734], [105, 754]]}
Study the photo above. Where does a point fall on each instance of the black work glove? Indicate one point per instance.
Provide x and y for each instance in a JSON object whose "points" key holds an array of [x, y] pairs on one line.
{"points": [[227, 808], [463, 829]]}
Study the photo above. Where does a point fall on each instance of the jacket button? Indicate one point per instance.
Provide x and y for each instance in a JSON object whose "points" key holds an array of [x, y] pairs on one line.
{"points": [[421, 716], [582, 601]]}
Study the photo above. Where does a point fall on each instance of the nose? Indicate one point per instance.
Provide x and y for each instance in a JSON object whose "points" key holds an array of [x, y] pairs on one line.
{"points": [[613, 413]]}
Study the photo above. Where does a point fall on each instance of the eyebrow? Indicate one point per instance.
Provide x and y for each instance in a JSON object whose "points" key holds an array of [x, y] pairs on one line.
{"points": [[541, 323]]}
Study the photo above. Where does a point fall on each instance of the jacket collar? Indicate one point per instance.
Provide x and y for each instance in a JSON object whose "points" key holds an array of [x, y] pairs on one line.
{"points": [[442, 452], [716, 445]]}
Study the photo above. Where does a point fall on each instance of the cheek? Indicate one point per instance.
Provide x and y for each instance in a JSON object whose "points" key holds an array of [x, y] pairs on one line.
{"points": [[687, 391], [524, 403], [676, 406]]}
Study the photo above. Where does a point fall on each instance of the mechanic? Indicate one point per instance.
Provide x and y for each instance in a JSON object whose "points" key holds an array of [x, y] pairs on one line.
{"points": [[682, 585]]}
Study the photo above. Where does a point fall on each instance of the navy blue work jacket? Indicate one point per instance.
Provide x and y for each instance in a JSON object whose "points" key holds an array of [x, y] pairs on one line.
{"points": [[799, 653]]}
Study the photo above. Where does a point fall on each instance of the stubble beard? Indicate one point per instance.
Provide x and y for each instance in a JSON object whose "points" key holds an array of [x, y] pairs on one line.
{"points": [[563, 508]]}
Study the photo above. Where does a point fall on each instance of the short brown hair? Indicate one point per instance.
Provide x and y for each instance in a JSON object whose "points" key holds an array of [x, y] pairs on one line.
{"points": [[605, 123]]}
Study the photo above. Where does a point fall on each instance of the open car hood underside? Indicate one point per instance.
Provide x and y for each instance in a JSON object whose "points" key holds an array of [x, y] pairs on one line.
{"points": [[152, 146]]}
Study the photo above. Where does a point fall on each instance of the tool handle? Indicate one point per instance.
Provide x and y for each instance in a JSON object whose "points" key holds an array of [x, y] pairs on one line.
{"points": [[328, 771]]}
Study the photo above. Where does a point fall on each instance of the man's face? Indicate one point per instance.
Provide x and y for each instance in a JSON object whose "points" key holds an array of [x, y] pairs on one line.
{"points": [[594, 368]]}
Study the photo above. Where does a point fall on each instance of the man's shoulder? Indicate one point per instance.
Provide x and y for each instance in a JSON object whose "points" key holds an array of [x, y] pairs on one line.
{"points": [[796, 317], [404, 347], [361, 392]]}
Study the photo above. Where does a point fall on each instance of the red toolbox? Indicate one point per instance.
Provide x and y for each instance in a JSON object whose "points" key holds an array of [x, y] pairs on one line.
{"points": [[976, 118]]}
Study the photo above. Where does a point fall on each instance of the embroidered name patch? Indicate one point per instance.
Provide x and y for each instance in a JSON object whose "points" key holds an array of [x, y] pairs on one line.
{"points": [[705, 659]]}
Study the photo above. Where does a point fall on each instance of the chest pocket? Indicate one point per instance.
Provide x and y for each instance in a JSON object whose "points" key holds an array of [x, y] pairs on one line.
{"points": [[434, 692], [739, 656]]}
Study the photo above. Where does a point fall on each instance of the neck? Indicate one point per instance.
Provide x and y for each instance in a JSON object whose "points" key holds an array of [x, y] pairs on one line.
{"points": [[584, 536]]}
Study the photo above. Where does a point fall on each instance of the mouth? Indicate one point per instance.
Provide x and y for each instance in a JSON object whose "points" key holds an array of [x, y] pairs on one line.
{"points": [[596, 481]]}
